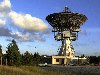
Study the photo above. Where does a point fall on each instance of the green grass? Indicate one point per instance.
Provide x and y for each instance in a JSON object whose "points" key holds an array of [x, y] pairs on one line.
{"points": [[27, 70], [31, 70], [6, 70]]}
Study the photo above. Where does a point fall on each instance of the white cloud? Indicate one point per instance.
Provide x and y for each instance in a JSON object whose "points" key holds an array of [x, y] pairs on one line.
{"points": [[2, 22], [26, 21], [5, 4], [26, 36], [20, 36], [5, 7], [4, 32]]}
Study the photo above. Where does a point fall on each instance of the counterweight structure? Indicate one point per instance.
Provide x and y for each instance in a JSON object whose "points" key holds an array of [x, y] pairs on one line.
{"points": [[66, 26]]}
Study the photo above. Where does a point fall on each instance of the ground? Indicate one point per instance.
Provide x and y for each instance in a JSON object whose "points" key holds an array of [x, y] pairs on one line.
{"points": [[79, 70], [50, 70]]}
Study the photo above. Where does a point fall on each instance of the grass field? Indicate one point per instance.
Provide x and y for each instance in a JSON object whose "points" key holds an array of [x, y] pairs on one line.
{"points": [[34, 70], [27, 70]]}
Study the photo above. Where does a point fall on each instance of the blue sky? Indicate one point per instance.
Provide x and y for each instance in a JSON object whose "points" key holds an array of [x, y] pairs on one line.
{"points": [[41, 37]]}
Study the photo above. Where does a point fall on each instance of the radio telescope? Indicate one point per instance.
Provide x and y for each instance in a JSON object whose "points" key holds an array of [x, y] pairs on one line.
{"points": [[66, 26]]}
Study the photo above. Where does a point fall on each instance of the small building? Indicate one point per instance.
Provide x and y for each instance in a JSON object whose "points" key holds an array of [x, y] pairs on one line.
{"points": [[59, 60]]}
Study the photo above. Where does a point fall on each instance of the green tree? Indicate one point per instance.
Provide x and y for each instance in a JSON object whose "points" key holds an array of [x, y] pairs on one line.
{"points": [[27, 58], [13, 54], [0, 51], [37, 58], [1, 54], [82, 56], [22, 59]]}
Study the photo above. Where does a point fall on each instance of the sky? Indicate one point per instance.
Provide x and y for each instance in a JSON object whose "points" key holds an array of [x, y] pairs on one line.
{"points": [[24, 21]]}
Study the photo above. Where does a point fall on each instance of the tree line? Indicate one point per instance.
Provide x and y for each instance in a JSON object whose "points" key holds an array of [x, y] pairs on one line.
{"points": [[13, 57], [94, 60]]}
